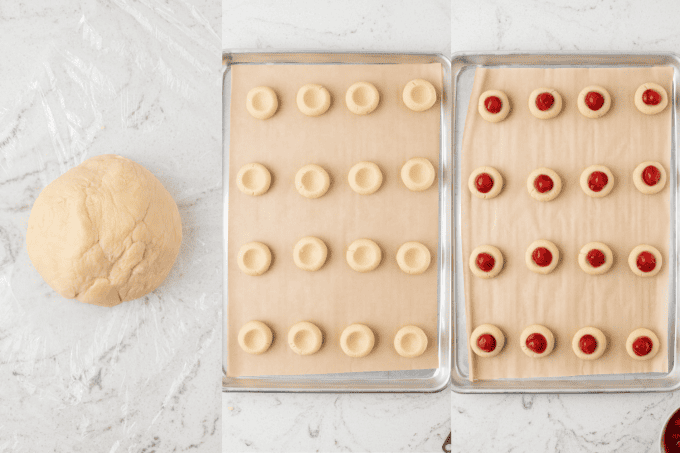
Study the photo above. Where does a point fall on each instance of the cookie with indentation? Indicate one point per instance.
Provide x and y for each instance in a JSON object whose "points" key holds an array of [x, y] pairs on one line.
{"points": [[545, 103], [255, 337], [642, 344], [413, 258], [597, 181], [418, 174], [313, 99], [410, 342], [254, 258], [262, 103], [649, 177], [645, 260], [493, 106], [589, 343], [487, 340], [253, 179], [544, 184], [486, 261], [419, 95], [305, 338], [485, 182], [537, 341], [595, 258], [312, 181], [542, 256], [363, 255], [362, 98], [309, 253], [594, 101], [365, 178], [651, 98], [357, 340]]}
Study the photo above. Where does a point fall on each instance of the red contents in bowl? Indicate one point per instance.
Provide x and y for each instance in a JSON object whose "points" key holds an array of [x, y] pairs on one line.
{"points": [[671, 434]]}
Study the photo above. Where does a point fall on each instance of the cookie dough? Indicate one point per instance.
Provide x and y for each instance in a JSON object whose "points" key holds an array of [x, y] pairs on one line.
{"points": [[594, 101], [312, 181], [485, 182], [493, 106], [253, 179], [104, 232], [537, 341], [357, 340], [305, 338], [365, 178], [542, 256], [645, 260], [310, 253], [651, 98], [362, 98], [545, 103], [262, 103], [589, 343], [544, 184], [597, 181], [254, 258], [418, 174], [419, 95], [649, 177], [413, 258], [410, 342], [642, 344], [313, 100], [363, 255], [486, 261], [487, 340], [255, 337], [595, 258]]}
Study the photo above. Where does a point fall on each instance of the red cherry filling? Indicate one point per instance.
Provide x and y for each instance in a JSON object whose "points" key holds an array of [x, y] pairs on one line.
{"points": [[595, 257], [484, 182], [597, 181], [646, 262], [594, 100], [587, 344], [642, 346], [537, 343], [543, 183], [651, 97], [542, 256], [651, 175], [493, 104], [486, 342], [544, 101], [485, 262]]}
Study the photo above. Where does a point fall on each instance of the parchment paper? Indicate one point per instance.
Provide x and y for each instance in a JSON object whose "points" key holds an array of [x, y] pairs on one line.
{"points": [[567, 299], [334, 297]]}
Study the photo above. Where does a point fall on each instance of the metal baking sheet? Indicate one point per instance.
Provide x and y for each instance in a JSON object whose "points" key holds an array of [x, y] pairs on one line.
{"points": [[431, 380], [463, 67]]}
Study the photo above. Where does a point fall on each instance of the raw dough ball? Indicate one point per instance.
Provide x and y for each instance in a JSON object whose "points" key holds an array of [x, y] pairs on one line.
{"points": [[596, 96], [595, 258], [255, 337], [597, 181], [542, 256], [313, 100], [654, 94], [419, 95], [544, 184], [365, 178], [486, 261], [592, 340], [357, 340], [362, 98], [363, 255], [305, 338], [410, 342], [253, 179], [646, 344], [310, 253], [649, 177], [485, 182], [254, 258], [537, 341], [487, 340], [645, 260], [545, 103], [497, 107], [413, 258], [418, 174], [312, 181], [104, 232], [262, 103]]}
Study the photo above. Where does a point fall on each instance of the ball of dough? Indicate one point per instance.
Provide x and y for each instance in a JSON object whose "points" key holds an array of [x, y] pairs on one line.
{"points": [[253, 179], [592, 334], [538, 260], [419, 95], [104, 232], [497, 113], [651, 109], [586, 110], [310, 253], [486, 348], [305, 338], [363, 255], [255, 337], [483, 267], [640, 265], [645, 350], [544, 184], [596, 191], [262, 103], [254, 258], [418, 174], [537, 341], [362, 98], [357, 340], [313, 100], [538, 106], [312, 181], [656, 176], [410, 342], [413, 258], [485, 182], [365, 178], [601, 256]]}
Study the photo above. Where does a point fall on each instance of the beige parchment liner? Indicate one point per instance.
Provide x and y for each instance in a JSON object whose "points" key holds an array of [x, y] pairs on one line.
{"points": [[567, 299], [335, 296]]}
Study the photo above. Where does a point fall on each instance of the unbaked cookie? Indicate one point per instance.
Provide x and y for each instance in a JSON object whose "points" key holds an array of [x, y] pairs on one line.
{"points": [[262, 103], [253, 179], [642, 344], [365, 178], [595, 258], [413, 258], [542, 256], [651, 98], [545, 103], [487, 340], [313, 100], [254, 258], [255, 337], [418, 174], [419, 95], [410, 342], [649, 177], [363, 255], [537, 341], [362, 98], [493, 106], [312, 181], [305, 338], [589, 343], [485, 182], [357, 340], [594, 101], [486, 261], [544, 184], [310, 253], [597, 181], [645, 260]]}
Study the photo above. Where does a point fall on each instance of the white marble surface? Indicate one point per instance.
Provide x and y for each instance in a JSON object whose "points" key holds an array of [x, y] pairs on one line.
{"points": [[140, 79]]}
